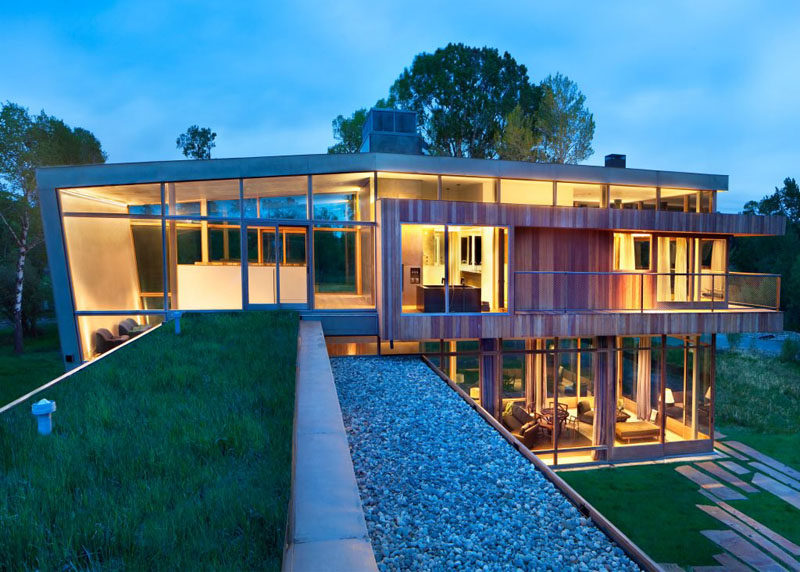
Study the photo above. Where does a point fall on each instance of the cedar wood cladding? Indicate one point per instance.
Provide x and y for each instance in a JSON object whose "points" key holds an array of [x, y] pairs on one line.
{"points": [[590, 252]]}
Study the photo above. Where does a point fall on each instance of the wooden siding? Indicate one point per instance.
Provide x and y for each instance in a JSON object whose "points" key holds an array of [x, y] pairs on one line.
{"points": [[440, 212], [588, 233], [575, 324]]}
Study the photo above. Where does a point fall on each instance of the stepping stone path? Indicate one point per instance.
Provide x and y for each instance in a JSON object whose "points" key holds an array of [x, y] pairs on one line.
{"points": [[749, 544], [743, 550], [735, 467], [777, 475], [709, 484], [750, 534], [718, 471], [778, 489]]}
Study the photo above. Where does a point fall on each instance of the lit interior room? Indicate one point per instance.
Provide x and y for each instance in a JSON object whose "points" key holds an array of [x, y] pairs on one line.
{"points": [[476, 259]]}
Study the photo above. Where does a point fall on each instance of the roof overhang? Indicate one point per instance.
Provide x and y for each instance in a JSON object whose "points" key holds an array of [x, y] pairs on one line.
{"points": [[194, 170]]}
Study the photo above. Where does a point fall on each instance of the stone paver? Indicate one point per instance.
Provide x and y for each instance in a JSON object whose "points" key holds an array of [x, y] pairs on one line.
{"points": [[750, 534], [743, 550], [781, 541], [776, 474], [767, 460], [730, 452], [735, 467], [731, 564], [778, 489], [726, 476], [709, 484]]}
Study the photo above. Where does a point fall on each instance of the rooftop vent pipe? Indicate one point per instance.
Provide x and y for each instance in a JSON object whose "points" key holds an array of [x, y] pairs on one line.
{"points": [[615, 160], [43, 410]]}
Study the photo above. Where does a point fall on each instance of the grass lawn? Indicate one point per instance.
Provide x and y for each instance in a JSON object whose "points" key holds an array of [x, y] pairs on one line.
{"points": [[758, 403], [40, 363], [655, 507], [174, 452]]}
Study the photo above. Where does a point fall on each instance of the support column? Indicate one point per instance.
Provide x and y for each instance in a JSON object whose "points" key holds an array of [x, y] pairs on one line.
{"points": [[604, 396], [490, 370]]}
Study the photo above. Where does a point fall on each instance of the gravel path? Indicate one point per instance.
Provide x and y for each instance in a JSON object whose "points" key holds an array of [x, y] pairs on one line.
{"points": [[442, 490]]}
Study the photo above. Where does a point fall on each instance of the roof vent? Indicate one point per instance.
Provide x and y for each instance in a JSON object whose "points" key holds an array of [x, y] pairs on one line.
{"points": [[615, 160], [391, 131]]}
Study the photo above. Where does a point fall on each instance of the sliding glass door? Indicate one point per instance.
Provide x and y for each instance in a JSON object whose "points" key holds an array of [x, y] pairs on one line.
{"points": [[277, 265]]}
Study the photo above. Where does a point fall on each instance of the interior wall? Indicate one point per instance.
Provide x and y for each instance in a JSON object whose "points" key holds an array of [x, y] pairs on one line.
{"points": [[102, 263], [210, 287]]}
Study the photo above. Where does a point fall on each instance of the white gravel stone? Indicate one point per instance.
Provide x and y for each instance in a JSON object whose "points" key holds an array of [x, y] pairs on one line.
{"points": [[442, 490]]}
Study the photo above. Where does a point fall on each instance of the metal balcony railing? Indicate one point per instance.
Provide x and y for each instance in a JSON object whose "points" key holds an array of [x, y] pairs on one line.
{"points": [[548, 291]]}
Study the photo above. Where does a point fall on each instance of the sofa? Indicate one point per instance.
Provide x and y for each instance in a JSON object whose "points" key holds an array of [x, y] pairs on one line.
{"points": [[520, 424], [586, 413]]}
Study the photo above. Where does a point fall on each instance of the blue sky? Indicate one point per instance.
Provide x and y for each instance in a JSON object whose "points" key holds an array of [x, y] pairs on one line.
{"points": [[707, 86]]}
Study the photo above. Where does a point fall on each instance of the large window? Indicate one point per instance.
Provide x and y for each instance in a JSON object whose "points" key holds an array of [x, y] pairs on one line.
{"points": [[469, 189], [343, 197], [468, 276], [276, 198], [625, 197], [580, 195], [526, 192], [344, 267], [632, 251], [407, 186]]}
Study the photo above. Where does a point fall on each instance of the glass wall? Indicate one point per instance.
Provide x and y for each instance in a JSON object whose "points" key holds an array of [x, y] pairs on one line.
{"points": [[469, 189], [408, 186], [423, 268], [526, 192], [343, 197], [687, 200], [120, 240], [276, 198], [580, 195], [469, 276], [632, 251], [638, 391], [344, 267], [626, 197]]}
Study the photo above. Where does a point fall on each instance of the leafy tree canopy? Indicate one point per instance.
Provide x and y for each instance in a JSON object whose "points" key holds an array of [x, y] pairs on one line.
{"points": [[564, 124], [775, 254], [28, 142], [466, 98], [196, 142], [518, 140]]}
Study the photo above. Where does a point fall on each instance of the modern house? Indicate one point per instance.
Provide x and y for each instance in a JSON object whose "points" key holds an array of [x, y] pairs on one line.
{"points": [[589, 295]]}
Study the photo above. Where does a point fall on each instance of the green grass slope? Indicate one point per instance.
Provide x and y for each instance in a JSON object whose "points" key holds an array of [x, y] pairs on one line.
{"points": [[174, 452]]}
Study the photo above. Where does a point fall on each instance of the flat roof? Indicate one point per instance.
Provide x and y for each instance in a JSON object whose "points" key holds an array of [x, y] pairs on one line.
{"points": [[195, 170]]}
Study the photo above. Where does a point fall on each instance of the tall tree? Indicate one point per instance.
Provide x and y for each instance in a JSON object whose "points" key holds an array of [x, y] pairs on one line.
{"points": [[775, 255], [466, 99], [196, 142], [27, 142], [563, 122], [462, 96], [347, 132], [518, 140]]}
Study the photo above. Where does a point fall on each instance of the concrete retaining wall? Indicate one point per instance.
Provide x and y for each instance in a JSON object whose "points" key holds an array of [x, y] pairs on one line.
{"points": [[326, 527]]}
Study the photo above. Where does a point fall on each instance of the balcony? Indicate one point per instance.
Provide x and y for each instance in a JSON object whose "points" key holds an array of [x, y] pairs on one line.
{"points": [[631, 292]]}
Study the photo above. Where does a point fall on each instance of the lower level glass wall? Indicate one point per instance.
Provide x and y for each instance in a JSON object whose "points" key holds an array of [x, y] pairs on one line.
{"points": [[658, 393]]}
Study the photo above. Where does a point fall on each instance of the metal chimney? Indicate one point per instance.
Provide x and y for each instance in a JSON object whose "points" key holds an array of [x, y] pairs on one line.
{"points": [[615, 160], [391, 131]]}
